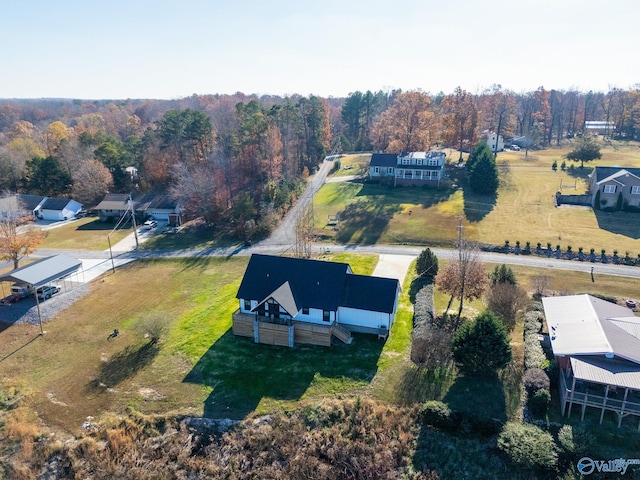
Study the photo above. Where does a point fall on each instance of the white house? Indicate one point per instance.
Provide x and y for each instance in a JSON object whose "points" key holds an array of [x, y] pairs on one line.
{"points": [[495, 142], [408, 168], [58, 209], [296, 293]]}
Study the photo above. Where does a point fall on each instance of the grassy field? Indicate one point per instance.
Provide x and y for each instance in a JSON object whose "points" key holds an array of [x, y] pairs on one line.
{"points": [[84, 234], [523, 209], [200, 368], [354, 164]]}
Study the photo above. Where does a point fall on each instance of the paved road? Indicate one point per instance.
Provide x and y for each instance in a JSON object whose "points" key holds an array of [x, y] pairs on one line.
{"points": [[283, 240]]}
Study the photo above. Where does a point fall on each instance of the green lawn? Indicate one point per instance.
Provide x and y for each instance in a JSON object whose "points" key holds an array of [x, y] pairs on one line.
{"points": [[523, 209], [87, 233]]}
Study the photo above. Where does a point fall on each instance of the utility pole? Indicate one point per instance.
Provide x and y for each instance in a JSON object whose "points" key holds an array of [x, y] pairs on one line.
{"points": [[133, 218]]}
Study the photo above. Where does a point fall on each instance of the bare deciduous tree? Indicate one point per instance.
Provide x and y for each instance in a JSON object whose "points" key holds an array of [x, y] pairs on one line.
{"points": [[540, 284], [465, 277], [506, 300], [91, 181]]}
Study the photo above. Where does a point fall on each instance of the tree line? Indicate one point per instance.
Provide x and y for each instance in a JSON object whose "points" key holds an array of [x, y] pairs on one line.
{"points": [[243, 157]]}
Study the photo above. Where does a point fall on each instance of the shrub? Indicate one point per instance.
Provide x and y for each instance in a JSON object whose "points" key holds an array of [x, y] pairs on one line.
{"points": [[539, 402], [554, 165], [437, 414], [533, 354], [532, 322], [427, 264], [153, 326], [535, 379], [528, 446], [575, 440], [552, 370], [481, 347]]}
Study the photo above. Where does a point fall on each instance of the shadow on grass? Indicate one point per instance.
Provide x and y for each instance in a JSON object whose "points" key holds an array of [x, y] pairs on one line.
{"points": [[125, 364], [365, 219], [575, 171], [476, 206], [482, 396], [621, 223], [418, 385], [242, 372], [98, 225]]}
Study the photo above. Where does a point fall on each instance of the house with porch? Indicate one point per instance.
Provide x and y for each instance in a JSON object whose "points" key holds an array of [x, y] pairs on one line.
{"points": [[408, 168], [162, 208], [288, 301], [597, 346]]}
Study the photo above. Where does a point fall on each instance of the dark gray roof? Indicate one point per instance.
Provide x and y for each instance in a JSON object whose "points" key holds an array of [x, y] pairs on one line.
{"points": [[384, 159], [605, 172], [55, 203], [376, 294], [315, 284], [149, 201], [43, 271], [29, 202], [113, 201]]}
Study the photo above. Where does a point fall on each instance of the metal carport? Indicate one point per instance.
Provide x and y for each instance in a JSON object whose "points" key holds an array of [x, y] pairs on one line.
{"points": [[41, 272]]}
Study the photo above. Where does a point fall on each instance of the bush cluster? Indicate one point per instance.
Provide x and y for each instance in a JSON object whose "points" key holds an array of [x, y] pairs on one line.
{"points": [[535, 379], [534, 356], [430, 345], [528, 447], [458, 422]]}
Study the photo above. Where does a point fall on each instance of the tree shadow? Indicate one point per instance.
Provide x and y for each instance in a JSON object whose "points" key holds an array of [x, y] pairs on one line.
{"points": [[483, 396], [124, 364], [576, 172], [364, 220], [243, 373], [476, 206], [419, 384], [622, 223]]}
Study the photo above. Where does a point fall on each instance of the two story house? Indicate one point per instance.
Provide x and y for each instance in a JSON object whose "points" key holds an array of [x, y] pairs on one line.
{"points": [[408, 168]]}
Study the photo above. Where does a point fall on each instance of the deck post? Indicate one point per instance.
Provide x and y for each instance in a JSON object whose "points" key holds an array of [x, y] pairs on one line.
{"points": [[291, 335], [624, 401], [256, 331], [573, 388], [604, 403]]}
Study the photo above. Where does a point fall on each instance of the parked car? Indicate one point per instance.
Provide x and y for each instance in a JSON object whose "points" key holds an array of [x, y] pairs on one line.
{"points": [[149, 224], [515, 148], [47, 291]]}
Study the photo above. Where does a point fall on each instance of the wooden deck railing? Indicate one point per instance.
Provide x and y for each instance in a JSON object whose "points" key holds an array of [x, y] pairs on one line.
{"points": [[618, 403]]}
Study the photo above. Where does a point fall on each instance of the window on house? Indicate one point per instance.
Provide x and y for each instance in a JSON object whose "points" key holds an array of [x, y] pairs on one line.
{"points": [[419, 161], [609, 189], [406, 161], [635, 190], [247, 304], [376, 169], [433, 162], [390, 169], [305, 310], [326, 316]]}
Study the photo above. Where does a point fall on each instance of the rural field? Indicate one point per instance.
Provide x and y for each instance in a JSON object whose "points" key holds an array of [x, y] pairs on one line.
{"points": [[523, 209]]}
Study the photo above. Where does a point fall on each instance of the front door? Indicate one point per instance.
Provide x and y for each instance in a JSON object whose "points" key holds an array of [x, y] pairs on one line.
{"points": [[274, 310]]}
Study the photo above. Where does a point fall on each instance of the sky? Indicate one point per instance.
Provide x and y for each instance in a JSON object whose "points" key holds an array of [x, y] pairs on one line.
{"points": [[118, 49]]}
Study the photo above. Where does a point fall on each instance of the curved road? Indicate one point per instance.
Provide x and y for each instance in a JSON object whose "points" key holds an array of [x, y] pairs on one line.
{"points": [[283, 240]]}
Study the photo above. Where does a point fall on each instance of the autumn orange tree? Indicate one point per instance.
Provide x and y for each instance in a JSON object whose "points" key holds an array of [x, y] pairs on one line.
{"points": [[409, 124], [17, 238], [460, 120], [464, 277]]}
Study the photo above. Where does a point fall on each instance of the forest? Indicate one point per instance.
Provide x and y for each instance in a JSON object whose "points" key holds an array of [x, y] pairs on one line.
{"points": [[242, 158]]}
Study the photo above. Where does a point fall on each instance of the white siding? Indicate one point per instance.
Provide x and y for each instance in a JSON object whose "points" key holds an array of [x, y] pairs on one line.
{"points": [[362, 318]]}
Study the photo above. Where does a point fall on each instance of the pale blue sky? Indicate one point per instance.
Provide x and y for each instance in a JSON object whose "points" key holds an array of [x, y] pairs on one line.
{"points": [[95, 49]]}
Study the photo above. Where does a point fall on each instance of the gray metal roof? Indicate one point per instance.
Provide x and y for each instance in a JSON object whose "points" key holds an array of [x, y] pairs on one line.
{"points": [[624, 336], [43, 271], [577, 325], [606, 371]]}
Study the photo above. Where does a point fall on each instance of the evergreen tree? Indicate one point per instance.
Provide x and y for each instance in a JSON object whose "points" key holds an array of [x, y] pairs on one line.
{"points": [[427, 264], [503, 274], [481, 347], [46, 177], [483, 171]]}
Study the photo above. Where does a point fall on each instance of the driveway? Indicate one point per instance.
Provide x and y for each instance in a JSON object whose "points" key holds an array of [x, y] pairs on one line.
{"points": [[393, 266]]}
